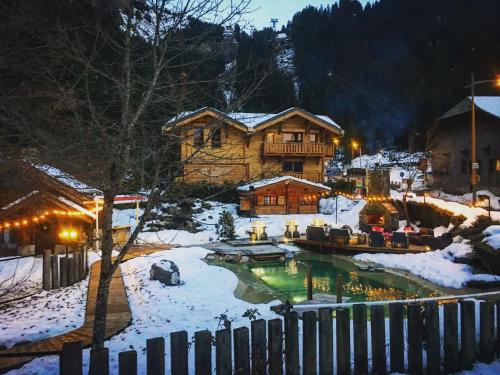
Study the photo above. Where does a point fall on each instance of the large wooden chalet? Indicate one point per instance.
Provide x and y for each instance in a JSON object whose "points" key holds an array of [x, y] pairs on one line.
{"points": [[38, 204], [451, 146], [241, 147]]}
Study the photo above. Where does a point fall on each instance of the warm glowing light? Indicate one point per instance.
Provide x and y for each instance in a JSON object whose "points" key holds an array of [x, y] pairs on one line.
{"points": [[497, 81], [25, 222], [336, 141], [354, 144], [64, 234]]}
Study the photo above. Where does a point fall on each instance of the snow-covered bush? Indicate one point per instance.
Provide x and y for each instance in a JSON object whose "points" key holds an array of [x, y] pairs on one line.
{"points": [[226, 225]]}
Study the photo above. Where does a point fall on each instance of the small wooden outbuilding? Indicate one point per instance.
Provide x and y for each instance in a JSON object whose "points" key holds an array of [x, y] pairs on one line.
{"points": [[281, 196]]}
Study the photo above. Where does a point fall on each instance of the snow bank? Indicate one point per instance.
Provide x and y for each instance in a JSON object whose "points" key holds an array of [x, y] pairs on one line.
{"points": [[471, 213], [20, 276], [493, 236], [435, 266], [467, 198]]}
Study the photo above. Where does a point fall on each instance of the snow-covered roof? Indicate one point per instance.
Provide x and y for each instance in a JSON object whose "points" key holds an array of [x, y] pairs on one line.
{"points": [[489, 104], [271, 181], [66, 179], [253, 120]]}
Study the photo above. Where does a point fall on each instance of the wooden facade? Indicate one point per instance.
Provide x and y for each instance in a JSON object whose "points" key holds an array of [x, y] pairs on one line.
{"points": [[35, 208], [451, 148], [281, 196], [242, 147]]}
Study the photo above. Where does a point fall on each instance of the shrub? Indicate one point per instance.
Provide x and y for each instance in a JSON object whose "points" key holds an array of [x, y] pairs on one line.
{"points": [[226, 225]]}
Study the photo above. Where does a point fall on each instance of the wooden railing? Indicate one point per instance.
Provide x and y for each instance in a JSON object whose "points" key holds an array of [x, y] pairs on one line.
{"points": [[306, 149], [273, 347], [314, 177]]}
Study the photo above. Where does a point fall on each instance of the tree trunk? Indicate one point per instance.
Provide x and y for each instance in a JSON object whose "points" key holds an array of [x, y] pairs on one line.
{"points": [[106, 274], [405, 208]]}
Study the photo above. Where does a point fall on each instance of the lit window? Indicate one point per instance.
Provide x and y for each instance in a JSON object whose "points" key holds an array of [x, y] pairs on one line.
{"points": [[281, 200], [269, 201], [292, 137], [313, 138]]}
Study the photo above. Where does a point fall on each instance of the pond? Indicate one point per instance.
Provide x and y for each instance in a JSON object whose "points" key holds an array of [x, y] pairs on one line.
{"points": [[262, 282]]}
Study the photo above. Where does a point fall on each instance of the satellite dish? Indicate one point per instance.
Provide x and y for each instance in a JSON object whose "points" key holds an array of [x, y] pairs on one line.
{"points": [[251, 188], [402, 174]]}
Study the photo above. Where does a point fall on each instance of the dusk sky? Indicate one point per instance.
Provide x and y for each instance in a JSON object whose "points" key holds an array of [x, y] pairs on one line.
{"points": [[281, 9]]}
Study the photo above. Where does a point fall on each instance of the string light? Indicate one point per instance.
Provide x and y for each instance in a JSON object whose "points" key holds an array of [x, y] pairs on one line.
{"points": [[37, 219]]}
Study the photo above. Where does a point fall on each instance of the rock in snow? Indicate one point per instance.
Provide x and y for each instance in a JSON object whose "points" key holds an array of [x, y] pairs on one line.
{"points": [[166, 272]]}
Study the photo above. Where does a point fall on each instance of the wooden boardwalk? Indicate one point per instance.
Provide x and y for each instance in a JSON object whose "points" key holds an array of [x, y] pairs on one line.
{"points": [[330, 247], [118, 318]]}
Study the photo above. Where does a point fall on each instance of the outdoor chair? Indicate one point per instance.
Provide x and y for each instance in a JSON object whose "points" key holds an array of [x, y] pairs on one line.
{"points": [[376, 239], [315, 233], [400, 240], [339, 236]]}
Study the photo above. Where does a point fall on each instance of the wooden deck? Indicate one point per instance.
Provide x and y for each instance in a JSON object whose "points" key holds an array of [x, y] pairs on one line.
{"points": [[329, 247], [118, 318]]}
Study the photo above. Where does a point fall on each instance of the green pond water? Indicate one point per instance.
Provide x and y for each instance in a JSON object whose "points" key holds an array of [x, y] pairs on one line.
{"points": [[262, 282]]}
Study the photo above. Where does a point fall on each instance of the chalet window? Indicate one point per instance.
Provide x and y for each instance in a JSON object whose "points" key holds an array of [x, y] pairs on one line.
{"points": [[494, 166], [313, 138], [293, 166], [216, 138], [281, 200], [293, 137], [270, 201], [198, 137], [270, 138], [260, 200]]}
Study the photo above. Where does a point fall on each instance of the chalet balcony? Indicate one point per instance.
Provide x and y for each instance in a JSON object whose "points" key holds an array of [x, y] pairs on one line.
{"points": [[300, 149], [313, 177]]}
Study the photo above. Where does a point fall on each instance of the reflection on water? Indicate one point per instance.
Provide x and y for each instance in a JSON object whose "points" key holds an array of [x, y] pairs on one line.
{"points": [[264, 281]]}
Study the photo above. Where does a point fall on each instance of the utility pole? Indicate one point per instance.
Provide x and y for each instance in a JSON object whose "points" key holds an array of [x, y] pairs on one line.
{"points": [[474, 165], [274, 21]]}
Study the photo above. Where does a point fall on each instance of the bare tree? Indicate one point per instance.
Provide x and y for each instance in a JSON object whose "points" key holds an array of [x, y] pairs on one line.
{"points": [[103, 85]]}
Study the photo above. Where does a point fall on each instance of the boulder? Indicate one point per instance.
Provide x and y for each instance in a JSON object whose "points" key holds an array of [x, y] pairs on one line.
{"points": [[166, 272]]}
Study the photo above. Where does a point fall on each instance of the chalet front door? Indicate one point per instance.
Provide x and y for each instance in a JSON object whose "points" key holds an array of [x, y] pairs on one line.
{"points": [[293, 204]]}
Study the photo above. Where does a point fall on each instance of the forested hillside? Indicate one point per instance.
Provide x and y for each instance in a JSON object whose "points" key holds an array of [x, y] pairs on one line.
{"points": [[388, 70]]}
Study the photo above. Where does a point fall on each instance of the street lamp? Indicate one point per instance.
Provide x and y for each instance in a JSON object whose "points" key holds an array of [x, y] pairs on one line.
{"points": [[355, 146], [474, 163], [68, 235]]}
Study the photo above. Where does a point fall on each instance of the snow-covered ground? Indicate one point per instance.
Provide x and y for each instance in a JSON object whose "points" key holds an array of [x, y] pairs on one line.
{"points": [[206, 293], [436, 266], [467, 198], [275, 224], [43, 315], [157, 311], [20, 277]]}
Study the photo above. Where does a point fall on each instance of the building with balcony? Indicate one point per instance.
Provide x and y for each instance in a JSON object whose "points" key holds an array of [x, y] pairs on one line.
{"points": [[242, 147]]}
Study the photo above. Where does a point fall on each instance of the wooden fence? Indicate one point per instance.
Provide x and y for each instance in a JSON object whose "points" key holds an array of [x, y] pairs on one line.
{"points": [[59, 272], [273, 347]]}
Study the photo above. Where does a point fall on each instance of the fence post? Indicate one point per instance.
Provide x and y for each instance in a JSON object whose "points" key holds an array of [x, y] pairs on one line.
{"points": [[76, 259], [46, 270], [309, 283], [379, 363], [360, 339], [55, 271], [179, 352], [241, 338], [339, 288], [414, 339], [433, 337], [71, 271], [258, 329], [127, 363], [451, 360], [155, 356], [343, 341], [275, 346], [325, 341], [291, 343], [396, 337], [223, 361], [63, 272], [99, 361], [498, 330], [82, 266], [203, 353], [468, 334], [486, 332], [309, 343], [70, 362]]}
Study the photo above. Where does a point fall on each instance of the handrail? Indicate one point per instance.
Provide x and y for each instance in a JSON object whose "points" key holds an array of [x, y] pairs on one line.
{"points": [[411, 300]]}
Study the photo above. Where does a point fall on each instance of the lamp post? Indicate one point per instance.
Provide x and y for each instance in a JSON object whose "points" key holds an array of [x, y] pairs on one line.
{"points": [[67, 235], [474, 164]]}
